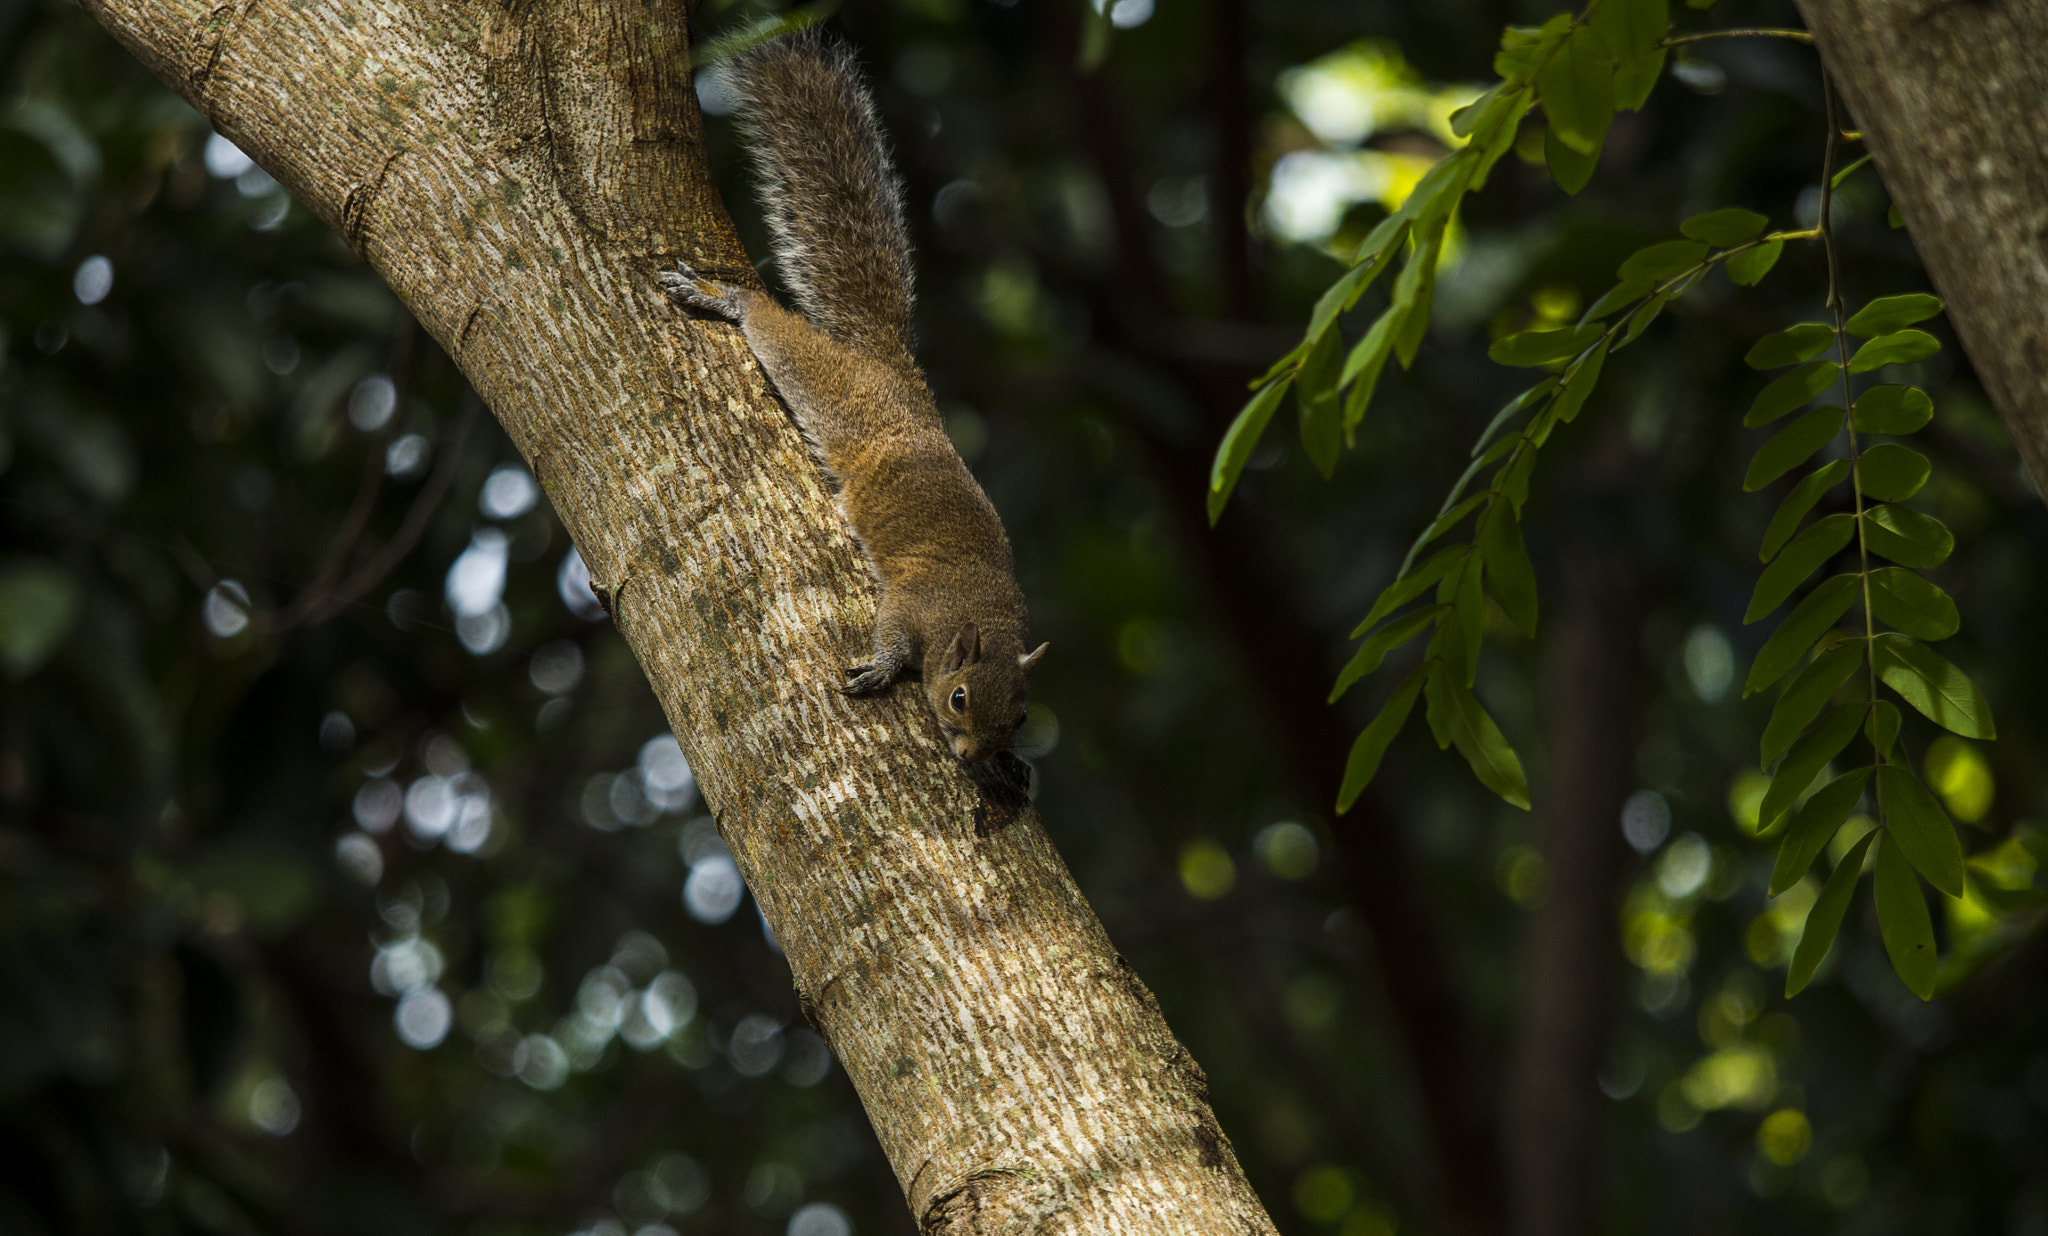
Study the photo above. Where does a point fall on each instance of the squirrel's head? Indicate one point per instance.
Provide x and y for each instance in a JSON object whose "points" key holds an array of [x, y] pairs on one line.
{"points": [[978, 699]]}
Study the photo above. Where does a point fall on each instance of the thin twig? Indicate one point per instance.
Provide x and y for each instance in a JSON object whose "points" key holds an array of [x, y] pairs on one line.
{"points": [[1756, 32]]}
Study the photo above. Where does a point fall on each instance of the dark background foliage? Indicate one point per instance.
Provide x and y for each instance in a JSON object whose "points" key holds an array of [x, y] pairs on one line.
{"points": [[240, 992]]}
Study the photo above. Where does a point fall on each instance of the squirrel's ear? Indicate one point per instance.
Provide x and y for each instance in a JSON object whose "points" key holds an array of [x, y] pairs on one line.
{"points": [[1027, 661], [965, 649]]}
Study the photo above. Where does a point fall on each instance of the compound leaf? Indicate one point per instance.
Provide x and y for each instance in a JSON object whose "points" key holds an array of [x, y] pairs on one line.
{"points": [[1920, 828], [1893, 410], [1791, 446], [1797, 503], [1790, 346], [1892, 313], [1801, 558], [1816, 825], [1889, 472], [1824, 920], [1903, 921], [1906, 602], [1808, 621], [1791, 391], [1926, 680], [1906, 536]]}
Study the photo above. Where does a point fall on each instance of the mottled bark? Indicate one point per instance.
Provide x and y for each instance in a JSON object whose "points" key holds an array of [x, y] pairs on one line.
{"points": [[1552, 1098], [1952, 97], [518, 175]]}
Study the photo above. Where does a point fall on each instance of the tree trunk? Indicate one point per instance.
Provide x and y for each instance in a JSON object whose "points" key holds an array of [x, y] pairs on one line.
{"points": [[1952, 96], [1568, 977], [519, 175]]}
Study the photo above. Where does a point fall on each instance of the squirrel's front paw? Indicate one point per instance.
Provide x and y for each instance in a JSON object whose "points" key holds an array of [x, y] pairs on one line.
{"points": [[685, 286], [864, 679]]}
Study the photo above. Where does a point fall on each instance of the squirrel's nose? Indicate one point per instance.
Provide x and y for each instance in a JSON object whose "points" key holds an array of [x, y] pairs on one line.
{"points": [[963, 747]]}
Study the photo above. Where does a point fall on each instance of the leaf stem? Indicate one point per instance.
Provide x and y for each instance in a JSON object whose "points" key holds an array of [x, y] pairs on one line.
{"points": [[1754, 32], [1826, 227]]}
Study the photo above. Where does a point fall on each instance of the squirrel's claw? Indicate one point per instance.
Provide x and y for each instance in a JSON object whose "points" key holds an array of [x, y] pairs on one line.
{"points": [[686, 286], [863, 679]]}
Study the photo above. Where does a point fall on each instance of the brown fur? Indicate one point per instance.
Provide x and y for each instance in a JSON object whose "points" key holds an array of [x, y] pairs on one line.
{"points": [[950, 607]]}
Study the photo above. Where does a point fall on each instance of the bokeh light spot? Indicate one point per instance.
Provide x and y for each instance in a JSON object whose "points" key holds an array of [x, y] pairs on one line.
{"points": [[93, 279], [1645, 821], [1206, 869], [1784, 1137], [1323, 1193], [1288, 849], [819, 1219], [274, 1106], [1962, 776], [1709, 663], [422, 1018], [508, 492]]}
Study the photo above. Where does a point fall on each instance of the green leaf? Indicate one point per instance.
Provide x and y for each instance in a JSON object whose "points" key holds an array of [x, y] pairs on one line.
{"points": [[1416, 296], [1540, 347], [1889, 472], [1480, 741], [1803, 698], [1908, 603], [1921, 828], [1579, 384], [1731, 225], [1239, 440], [38, 607], [1406, 588], [1384, 241], [1903, 921], [1824, 920], [1645, 313], [1510, 577], [1577, 86], [1818, 820], [1793, 390], [1663, 260], [1632, 25], [1371, 745], [1925, 679], [1893, 410], [1466, 118], [1509, 410], [1748, 268], [1891, 313], [1495, 137], [1315, 392], [1898, 348], [1468, 608], [1809, 620], [1791, 446], [1882, 728], [1451, 518], [1797, 503], [1807, 552], [1790, 346], [1362, 368], [1806, 760], [1906, 536], [1514, 479], [1571, 169], [1375, 650], [1627, 292], [1636, 76]]}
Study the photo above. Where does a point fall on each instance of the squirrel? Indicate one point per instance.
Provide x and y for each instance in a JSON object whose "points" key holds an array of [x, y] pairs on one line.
{"points": [[950, 609]]}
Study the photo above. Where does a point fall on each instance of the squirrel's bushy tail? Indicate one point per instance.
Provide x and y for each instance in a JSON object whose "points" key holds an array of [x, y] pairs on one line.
{"points": [[833, 201]]}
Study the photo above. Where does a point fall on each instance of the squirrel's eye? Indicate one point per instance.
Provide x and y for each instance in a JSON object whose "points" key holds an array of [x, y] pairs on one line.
{"points": [[959, 700]]}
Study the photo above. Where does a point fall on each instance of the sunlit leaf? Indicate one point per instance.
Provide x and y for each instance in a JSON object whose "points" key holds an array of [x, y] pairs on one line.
{"points": [[1793, 390], [1374, 651], [1540, 347], [1627, 292], [1824, 920], [1797, 503], [1412, 585], [1803, 698], [1804, 762], [1903, 921], [1731, 225], [1909, 603], [1315, 393], [1806, 554], [1635, 76], [1511, 579], [1371, 745], [1892, 313], [1921, 829], [1926, 680], [1662, 260], [1807, 622], [1748, 268], [1817, 823], [1238, 442], [1571, 169], [1577, 87], [1892, 410], [1899, 348], [1791, 446], [1906, 536], [1480, 741], [1790, 346]]}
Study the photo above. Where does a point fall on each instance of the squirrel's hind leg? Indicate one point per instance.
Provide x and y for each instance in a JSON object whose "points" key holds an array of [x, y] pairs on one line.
{"points": [[895, 654], [685, 286]]}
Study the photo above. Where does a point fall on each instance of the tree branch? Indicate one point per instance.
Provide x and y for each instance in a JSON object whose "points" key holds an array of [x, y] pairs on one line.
{"points": [[518, 175]]}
